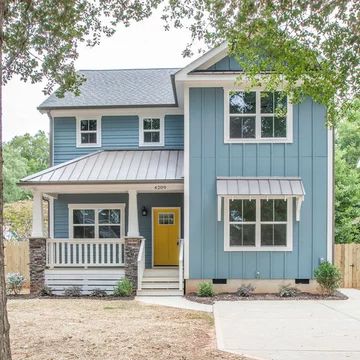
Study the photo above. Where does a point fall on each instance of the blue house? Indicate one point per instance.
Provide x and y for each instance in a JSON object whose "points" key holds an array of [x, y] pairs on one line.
{"points": [[175, 176]]}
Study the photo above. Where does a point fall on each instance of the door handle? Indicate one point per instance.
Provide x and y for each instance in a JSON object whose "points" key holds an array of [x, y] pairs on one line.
{"points": [[177, 243]]}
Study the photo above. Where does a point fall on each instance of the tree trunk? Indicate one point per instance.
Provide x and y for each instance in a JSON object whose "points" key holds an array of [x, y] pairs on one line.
{"points": [[5, 352]]}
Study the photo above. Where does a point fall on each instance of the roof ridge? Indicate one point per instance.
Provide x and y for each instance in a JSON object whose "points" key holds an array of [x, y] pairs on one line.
{"points": [[123, 69]]}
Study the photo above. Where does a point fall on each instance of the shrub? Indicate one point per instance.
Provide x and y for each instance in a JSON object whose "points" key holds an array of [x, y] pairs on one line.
{"points": [[123, 287], [73, 291], [288, 291], [46, 291], [14, 283], [328, 277], [205, 289], [97, 292], [246, 290]]}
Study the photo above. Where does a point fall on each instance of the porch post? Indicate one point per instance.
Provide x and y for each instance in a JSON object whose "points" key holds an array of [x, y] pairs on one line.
{"points": [[133, 224], [37, 216], [37, 245]]}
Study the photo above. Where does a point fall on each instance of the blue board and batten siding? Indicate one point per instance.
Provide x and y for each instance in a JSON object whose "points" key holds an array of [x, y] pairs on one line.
{"points": [[210, 157], [117, 132], [61, 212]]}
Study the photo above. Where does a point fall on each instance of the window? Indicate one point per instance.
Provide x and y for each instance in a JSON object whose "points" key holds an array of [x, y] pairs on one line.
{"points": [[100, 221], [166, 219], [88, 132], [151, 131], [258, 224], [257, 116]]}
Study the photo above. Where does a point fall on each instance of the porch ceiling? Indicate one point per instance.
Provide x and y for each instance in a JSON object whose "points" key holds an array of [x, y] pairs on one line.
{"points": [[114, 166]]}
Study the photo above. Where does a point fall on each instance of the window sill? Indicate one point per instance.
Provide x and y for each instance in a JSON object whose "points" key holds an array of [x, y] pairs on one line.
{"points": [[257, 249], [152, 145], [259, 141], [88, 145]]}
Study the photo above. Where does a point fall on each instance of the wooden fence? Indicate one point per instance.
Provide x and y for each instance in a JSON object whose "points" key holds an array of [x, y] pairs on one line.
{"points": [[17, 258], [347, 259]]}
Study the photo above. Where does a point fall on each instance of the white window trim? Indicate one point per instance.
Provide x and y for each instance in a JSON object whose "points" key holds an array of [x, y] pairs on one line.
{"points": [[95, 207], [141, 131], [258, 138], [258, 247], [98, 131]]}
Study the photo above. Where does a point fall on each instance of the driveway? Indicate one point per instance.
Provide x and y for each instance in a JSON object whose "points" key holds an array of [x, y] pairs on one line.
{"points": [[291, 330]]}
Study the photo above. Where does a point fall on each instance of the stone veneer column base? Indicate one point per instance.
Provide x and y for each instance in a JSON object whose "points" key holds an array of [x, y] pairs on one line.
{"points": [[132, 247], [37, 255]]}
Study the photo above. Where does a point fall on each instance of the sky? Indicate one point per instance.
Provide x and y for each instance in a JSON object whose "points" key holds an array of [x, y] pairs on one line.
{"points": [[142, 45]]}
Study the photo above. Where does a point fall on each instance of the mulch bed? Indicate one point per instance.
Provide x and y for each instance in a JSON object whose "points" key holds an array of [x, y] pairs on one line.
{"points": [[234, 297], [35, 296]]}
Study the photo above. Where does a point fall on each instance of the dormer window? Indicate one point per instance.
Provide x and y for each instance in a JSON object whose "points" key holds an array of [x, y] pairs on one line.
{"points": [[257, 116], [151, 131], [88, 132]]}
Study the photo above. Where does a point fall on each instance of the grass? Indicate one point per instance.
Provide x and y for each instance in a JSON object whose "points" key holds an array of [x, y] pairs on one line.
{"points": [[67, 329]]}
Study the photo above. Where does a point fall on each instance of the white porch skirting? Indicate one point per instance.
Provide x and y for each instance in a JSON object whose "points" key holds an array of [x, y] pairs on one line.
{"points": [[87, 279]]}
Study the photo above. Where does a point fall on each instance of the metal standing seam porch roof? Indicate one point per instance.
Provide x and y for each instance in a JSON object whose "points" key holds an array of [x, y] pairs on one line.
{"points": [[276, 186], [113, 166]]}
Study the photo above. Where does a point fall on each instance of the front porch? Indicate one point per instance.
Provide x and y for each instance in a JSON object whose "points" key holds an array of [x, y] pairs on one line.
{"points": [[101, 231]]}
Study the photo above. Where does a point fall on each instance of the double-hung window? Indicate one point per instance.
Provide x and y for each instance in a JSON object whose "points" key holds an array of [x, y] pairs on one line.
{"points": [[88, 132], [257, 116], [258, 224], [100, 221], [151, 131]]}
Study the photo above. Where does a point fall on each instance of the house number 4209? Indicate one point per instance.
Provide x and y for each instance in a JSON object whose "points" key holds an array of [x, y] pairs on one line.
{"points": [[160, 187]]}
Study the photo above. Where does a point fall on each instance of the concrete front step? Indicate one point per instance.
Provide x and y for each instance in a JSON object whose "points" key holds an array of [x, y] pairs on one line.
{"points": [[160, 279], [170, 285], [159, 292], [162, 272]]}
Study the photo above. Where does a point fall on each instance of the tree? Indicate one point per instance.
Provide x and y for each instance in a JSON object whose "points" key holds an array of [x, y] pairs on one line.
{"points": [[23, 155]]}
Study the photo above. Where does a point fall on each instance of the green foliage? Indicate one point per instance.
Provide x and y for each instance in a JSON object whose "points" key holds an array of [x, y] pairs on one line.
{"points": [[310, 48], [246, 290], [123, 287], [205, 289], [23, 155], [73, 291], [328, 277], [288, 291], [46, 291], [97, 292], [347, 176], [14, 283]]}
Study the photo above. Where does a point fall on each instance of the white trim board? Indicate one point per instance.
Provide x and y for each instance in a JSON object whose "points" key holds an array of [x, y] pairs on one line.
{"points": [[330, 197]]}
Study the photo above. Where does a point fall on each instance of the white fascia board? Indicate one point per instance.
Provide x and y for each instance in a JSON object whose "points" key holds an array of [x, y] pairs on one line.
{"points": [[143, 111], [206, 60]]}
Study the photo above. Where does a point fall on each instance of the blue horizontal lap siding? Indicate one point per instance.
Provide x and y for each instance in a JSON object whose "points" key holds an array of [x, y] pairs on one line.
{"points": [[61, 212], [117, 132], [306, 157]]}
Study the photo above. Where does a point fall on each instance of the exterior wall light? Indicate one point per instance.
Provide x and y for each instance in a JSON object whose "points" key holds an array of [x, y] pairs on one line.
{"points": [[144, 211]]}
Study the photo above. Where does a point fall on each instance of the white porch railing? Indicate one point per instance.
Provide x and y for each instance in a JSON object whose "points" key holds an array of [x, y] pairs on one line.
{"points": [[84, 252], [181, 264], [141, 264]]}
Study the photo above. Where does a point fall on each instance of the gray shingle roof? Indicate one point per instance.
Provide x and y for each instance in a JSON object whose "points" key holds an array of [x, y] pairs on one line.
{"points": [[114, 166], [119, 88], [277, 186]]}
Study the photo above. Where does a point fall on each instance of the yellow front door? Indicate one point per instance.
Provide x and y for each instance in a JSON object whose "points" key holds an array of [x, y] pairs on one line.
{"points": [[166, 225]]}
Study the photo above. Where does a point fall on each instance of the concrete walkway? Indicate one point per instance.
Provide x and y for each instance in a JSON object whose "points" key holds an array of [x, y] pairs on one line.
{"points": [[174, 301], [291, 330]]}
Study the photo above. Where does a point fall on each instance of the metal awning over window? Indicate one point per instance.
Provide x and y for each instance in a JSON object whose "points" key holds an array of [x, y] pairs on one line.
{"points": [[261, 187]]}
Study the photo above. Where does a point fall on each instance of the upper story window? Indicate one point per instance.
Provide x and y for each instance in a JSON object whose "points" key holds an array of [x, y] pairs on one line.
{"points": [[88, 132], [258, 224], [257, 116], [151, 131]]}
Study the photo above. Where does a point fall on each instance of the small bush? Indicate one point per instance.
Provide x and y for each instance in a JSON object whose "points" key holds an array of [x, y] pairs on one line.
{"points": [[328, 277], [123, 287], [246, 290], [14, 283], [97, 292], [205, 289], [288, 291], [73, 291], [46, 291]]}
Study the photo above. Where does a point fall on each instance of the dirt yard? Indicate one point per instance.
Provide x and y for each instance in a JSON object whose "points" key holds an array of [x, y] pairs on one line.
{"points": [[64, 329]]}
